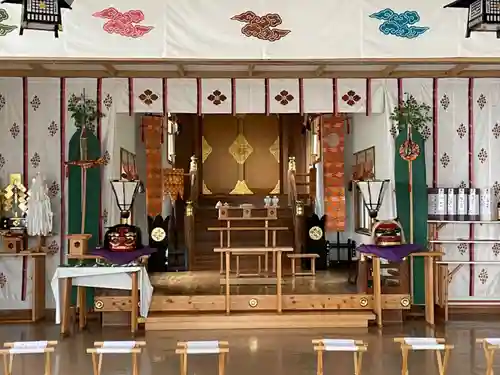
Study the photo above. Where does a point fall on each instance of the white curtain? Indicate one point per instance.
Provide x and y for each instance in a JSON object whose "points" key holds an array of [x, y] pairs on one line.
{"points": [[453, 171], [11, 161], [44, 157], [11, 285], [110, 171], [486, 174]]}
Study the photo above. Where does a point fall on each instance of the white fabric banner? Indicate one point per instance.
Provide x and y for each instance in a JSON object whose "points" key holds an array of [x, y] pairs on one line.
{"points": [[284, 96], [453, 171], [44, 156], [377, 98], [318, 95], [182, 95], [421, 89], [351, 95], [250, 96], [11, 283], [112, 95], [11, 118], [240, 30], [389, 208], [148, 95], [216, 96], [237, 29], [486, 171]]}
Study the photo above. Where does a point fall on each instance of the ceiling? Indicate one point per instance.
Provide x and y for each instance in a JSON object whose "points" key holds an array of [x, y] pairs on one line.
{"points": [[395, 68]]}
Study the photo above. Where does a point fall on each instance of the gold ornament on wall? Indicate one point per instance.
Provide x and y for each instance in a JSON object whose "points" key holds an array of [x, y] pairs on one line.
{"points": [[240, 149], [275, 149], [277, 188], [241, 188], [205, 189], [206, 149]]}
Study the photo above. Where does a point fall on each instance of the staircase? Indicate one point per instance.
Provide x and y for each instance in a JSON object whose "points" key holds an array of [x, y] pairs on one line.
{"points": [[205, 259]]}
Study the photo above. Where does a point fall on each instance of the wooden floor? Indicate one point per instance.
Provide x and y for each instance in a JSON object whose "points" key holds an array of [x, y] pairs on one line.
{"points": [[212, 283]]}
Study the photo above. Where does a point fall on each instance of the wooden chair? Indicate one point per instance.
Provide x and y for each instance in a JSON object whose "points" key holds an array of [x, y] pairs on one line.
{"points": [[490, 345], [436, 345], [134, 348], [311, 257], [27, 347], [339, 345], [184, 348]]}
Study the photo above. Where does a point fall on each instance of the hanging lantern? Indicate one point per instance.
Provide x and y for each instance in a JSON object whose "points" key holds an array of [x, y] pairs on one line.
{"points": [[484, 15], [44, 15]]}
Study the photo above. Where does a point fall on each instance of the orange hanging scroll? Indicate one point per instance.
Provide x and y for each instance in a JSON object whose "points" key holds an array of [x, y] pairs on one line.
{"points": [[333, 169], [173, 183]]}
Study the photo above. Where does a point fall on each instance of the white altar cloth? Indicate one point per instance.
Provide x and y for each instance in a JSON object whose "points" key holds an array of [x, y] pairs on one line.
{"points": [[104, 277]]}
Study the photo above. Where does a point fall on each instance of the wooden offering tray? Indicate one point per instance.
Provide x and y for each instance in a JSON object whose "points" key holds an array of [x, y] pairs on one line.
{"points": [[247, 212]]}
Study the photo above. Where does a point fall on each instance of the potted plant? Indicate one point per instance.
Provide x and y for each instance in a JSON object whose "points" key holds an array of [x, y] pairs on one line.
{"points": [[411, 114], [84, 111]]}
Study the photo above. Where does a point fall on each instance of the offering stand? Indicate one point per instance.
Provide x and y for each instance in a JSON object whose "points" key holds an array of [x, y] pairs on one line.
{"points": [[397, 254]]}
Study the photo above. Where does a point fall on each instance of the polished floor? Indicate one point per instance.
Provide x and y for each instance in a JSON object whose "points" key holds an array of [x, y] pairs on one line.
{"points": [[213, 283], [284, 352]]}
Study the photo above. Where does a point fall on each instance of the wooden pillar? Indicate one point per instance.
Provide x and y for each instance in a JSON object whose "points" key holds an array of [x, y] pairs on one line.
{"points": [[332, 138], [152, 128]]}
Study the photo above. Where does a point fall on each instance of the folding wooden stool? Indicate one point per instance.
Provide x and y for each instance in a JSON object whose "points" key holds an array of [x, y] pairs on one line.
{"points": [[184, 348], [489, 347], [436, 345], [339, 345], [115, 347], [27, 347]]}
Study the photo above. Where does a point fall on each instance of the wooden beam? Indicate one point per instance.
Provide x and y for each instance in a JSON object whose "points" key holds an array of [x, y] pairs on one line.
{"points": [[111, 69], [243, 74], [251, 69], [388, 70], [457, 69], [320, 70], [180, 70], [39, 68]]}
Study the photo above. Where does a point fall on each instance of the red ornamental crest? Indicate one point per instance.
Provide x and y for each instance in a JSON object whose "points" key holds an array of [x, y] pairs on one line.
{"points": [[124, 24], [261, 27], [409, 150]]}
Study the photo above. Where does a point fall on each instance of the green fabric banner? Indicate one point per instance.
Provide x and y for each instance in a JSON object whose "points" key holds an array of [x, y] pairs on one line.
{"points": [[419, 188], [92, 210]]}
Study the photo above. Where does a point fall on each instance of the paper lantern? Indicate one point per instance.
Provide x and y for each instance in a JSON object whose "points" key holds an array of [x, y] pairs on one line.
{"points": [[44, 15], [484, 15]]}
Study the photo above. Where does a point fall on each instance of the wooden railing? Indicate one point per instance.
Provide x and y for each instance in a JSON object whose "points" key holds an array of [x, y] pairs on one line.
{"points": [[189, 221]]}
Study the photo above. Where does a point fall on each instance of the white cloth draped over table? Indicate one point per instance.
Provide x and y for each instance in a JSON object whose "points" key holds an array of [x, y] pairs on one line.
{"points": [[39, 215], [104, 277]]}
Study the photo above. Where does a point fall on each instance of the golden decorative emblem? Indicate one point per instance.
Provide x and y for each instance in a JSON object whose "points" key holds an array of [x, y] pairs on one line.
{"points": [[253, 302], [206, 149], [98, 304], [363, 302], [275, 150], [158, 234], [315, 233], [405, 302], [240, 149]]}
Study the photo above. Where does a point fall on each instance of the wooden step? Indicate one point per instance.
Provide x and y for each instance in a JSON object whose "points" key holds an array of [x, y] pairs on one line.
{"points": [[259, 320]]}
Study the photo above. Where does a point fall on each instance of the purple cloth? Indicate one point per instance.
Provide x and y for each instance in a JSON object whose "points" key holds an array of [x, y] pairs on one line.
{"points": [[122, 257], [391, 253]]}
